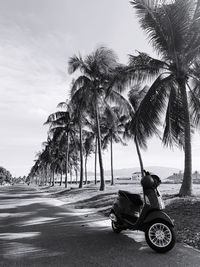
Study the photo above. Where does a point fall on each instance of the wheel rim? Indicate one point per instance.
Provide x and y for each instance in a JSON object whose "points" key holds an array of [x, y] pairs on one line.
{"points": [[160, 235]]}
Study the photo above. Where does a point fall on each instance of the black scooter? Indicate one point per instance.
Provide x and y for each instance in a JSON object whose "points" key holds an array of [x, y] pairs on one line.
{"points": [[129, 211]]}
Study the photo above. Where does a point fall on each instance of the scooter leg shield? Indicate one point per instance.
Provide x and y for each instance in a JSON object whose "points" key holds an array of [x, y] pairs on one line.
{"points": [[154, 215]]}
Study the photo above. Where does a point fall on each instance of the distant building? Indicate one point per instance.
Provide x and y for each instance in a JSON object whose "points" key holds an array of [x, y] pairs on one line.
{"points": [[178, 177], [136, 176]]}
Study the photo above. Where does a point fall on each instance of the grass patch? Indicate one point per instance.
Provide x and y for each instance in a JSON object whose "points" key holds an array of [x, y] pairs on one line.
{"points": [[98, 201], [186, 214]]}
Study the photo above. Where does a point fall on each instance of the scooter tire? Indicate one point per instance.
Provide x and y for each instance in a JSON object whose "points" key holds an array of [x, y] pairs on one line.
{"points": [[115, 227], [165, 239]]}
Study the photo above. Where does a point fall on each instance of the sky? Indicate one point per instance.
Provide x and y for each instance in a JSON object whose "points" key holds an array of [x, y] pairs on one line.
{"points": [[37, 39]]}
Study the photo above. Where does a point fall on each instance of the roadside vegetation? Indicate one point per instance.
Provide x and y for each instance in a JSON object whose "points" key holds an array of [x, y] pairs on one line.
{"points": [[5, 176], [110, 102]]}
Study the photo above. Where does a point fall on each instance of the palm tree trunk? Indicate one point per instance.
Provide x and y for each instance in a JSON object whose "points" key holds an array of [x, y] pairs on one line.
{"points": [[81, 157], [70, 176], [46, 179], [53, 177], [67, 159], [76, 172], [111, 156], [95, 163], [86, 170], [102, 181], [186, 187], [139, 156], [61, 178]]}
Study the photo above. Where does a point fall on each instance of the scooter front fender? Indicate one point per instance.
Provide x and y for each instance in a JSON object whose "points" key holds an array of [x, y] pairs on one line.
{"points": [[157, 214]]}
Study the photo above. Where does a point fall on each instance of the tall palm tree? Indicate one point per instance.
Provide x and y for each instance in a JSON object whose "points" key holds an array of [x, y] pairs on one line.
{"points": [[49, 157], [113, 124], [91, 124], [91, 86], [88, 148], [62, 126], [79, 118], [173, 29]]}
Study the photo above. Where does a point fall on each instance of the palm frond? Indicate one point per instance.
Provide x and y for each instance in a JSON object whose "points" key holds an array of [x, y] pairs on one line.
{"points": [[143, 67], [148, 116], [75, 63], [174, 120], [149, 17], [63, 104], [192, 46], [166, 24], [194, 98], [80, 82], [55, 116], [136, 94], [102, 61], [118, 80], [120, 101]]}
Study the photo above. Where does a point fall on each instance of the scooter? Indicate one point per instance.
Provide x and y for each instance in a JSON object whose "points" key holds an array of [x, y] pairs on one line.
{"points": [[130, 212]]}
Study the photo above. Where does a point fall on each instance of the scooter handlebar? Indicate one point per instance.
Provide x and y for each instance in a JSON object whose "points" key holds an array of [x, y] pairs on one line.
{"points": [[146, 172], [151, 183]]}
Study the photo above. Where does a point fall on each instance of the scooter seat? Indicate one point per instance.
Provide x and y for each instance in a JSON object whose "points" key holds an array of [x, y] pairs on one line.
{"points": [[134, 198]]}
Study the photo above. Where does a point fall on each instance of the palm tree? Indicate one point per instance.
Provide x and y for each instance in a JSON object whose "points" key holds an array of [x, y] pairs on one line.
{"points": [[173, 29], [88, 148], [95, 83], [78, 121], [62, 126], [133, 128], [49, 157], [91, 124], [112, 129]]}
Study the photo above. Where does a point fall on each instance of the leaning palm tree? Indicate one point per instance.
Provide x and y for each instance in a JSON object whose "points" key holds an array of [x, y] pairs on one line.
{"points": [[133, 128], [91, 87], [173, 29]]}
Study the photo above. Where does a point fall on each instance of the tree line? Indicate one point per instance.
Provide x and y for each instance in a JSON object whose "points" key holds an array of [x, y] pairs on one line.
{"points": [[112, 102], [5, 176]]}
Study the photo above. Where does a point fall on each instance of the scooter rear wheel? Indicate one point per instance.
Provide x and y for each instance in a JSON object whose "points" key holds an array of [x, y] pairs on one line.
{"points": [[160, 236], [116, 228]]}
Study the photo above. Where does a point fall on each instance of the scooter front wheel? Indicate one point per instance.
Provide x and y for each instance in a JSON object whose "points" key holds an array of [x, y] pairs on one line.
{"points": [[116, 228], [160, 236]]}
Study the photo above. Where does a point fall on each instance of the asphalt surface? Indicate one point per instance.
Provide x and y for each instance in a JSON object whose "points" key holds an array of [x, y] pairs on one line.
{"points": [[36, 230]]}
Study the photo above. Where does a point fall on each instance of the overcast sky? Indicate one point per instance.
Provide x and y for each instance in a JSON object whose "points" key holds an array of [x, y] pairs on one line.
{"points": [[37, 38]]}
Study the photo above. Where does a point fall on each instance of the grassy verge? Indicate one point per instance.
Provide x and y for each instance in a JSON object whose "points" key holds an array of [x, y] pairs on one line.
{"points": [[186, 214]]}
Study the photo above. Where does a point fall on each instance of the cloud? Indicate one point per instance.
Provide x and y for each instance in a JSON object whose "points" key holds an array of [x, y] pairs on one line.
{"points": [[33, 80]]}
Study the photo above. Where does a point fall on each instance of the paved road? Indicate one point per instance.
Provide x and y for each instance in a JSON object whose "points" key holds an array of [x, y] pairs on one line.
{"points": [[36, 230]]}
